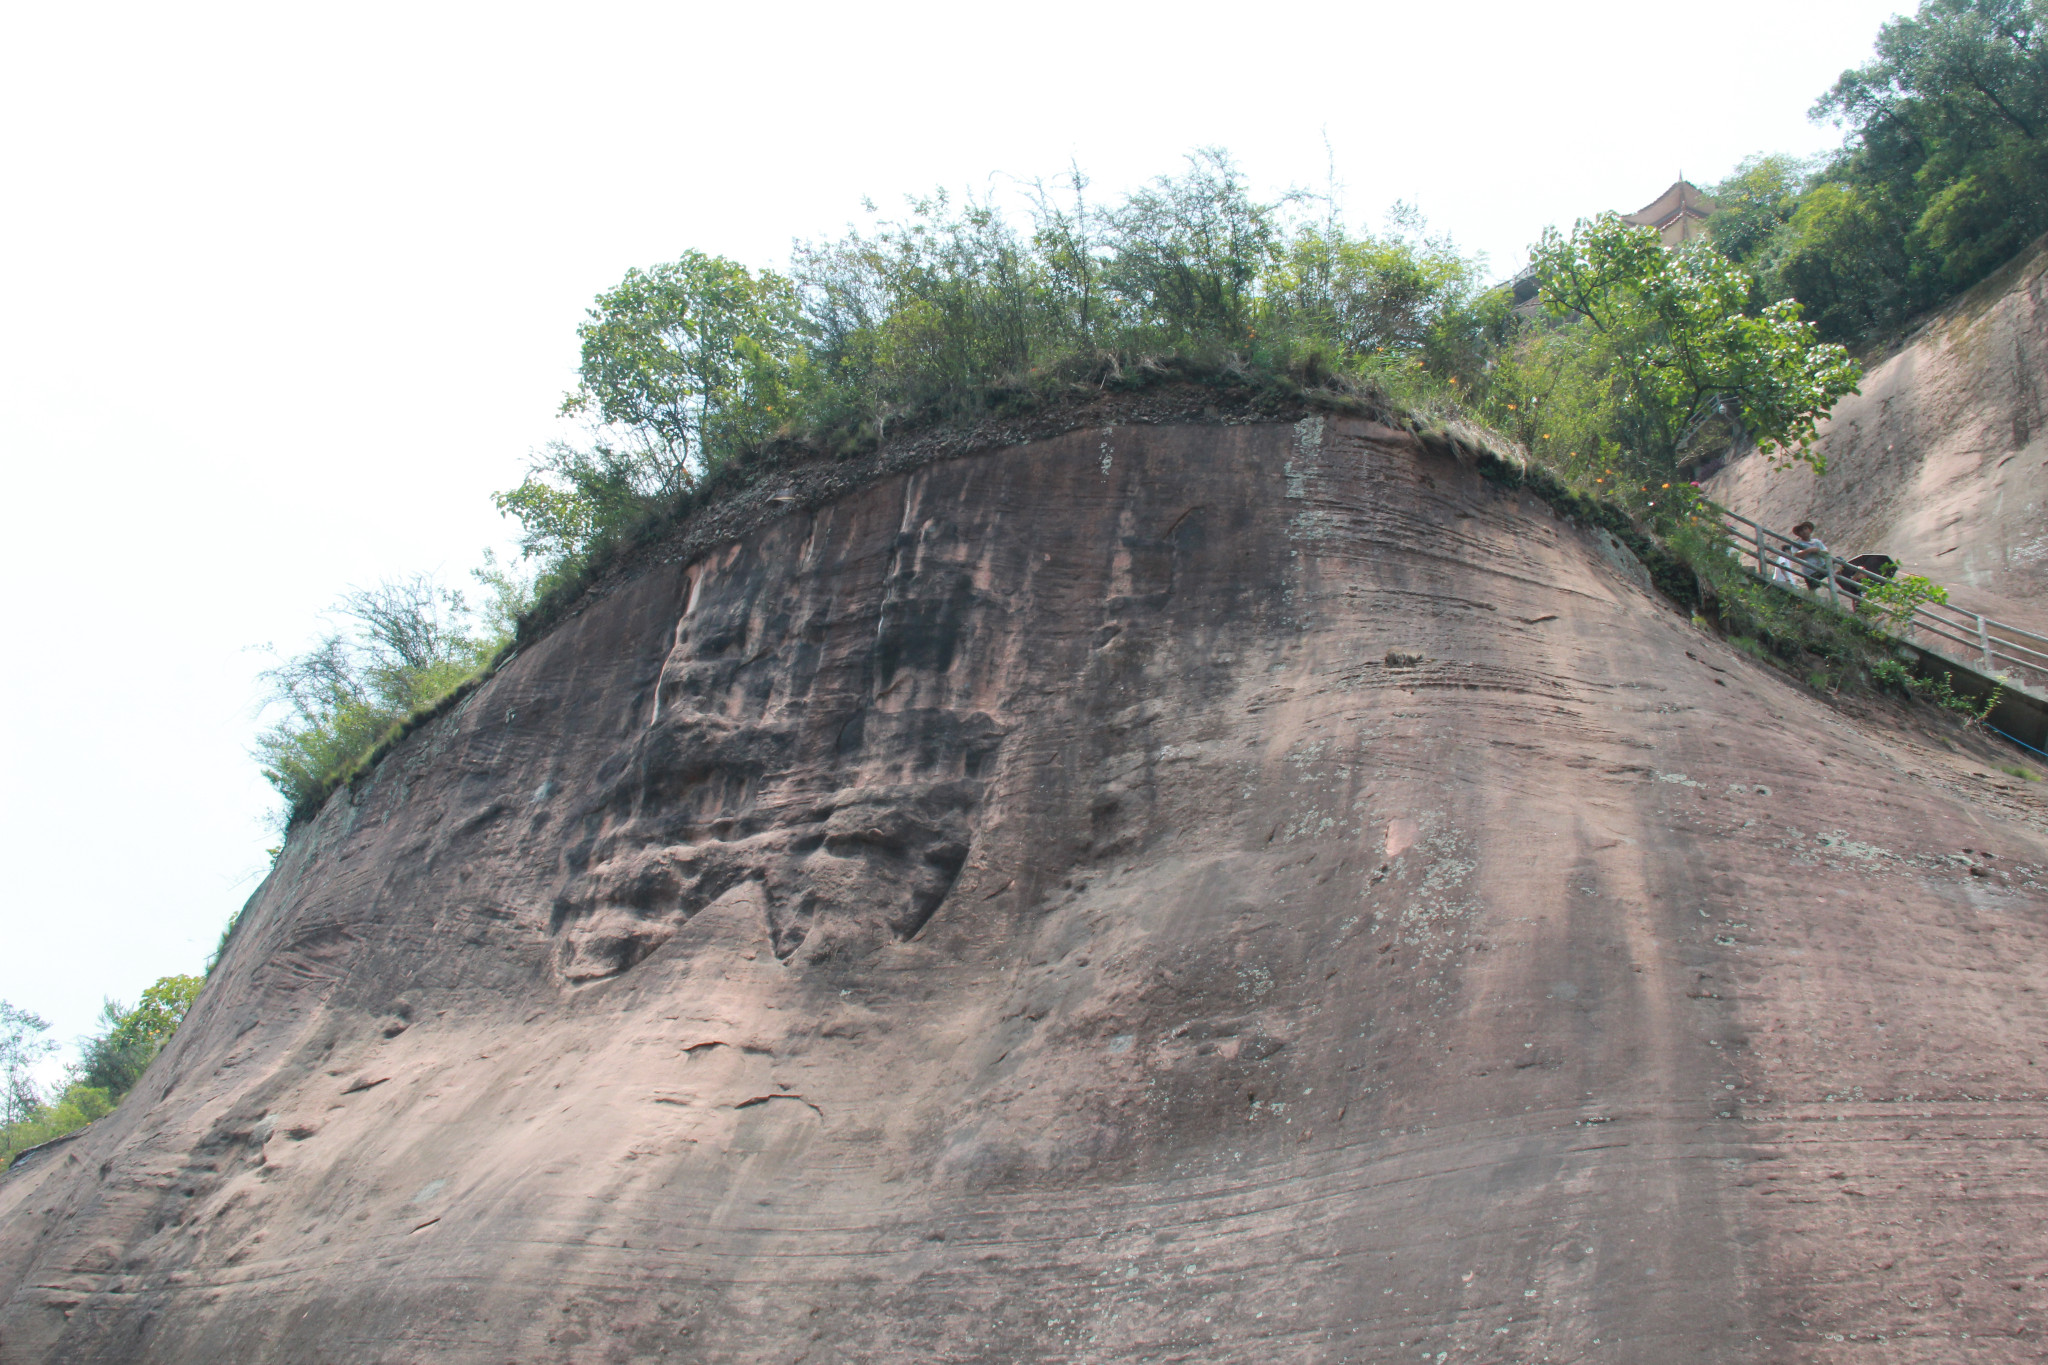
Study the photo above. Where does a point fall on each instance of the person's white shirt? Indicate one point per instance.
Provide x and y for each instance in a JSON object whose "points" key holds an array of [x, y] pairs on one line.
{"points": [[1813, 556]]}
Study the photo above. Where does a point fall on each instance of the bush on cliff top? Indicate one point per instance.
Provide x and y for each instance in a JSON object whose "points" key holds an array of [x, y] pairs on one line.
{"points": [[690, 367], [406, 646], [687, 368], [701, 375]]}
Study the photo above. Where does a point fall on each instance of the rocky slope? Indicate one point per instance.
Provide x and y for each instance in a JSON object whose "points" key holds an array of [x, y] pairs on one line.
{"points": [[1199, 891], [1942, 461]]}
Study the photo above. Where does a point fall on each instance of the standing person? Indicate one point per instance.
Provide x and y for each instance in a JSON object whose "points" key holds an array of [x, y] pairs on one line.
{"points": [[1810, 552]]}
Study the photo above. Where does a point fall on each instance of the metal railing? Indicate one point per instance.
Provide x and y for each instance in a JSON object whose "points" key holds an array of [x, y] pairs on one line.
{"points": [[2003, 650]]}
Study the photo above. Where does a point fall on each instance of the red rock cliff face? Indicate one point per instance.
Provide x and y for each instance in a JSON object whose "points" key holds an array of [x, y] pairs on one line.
{"points": [[1199, 892]]}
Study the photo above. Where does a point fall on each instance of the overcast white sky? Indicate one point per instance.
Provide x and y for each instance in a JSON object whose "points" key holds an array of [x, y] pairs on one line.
{"points": [[287, 290]]}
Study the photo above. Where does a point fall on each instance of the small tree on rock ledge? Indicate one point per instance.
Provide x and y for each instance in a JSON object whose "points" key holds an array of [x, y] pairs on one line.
{"points": [[1667, 339]]}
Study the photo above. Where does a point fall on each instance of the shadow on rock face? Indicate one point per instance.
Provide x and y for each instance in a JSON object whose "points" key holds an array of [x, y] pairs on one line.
{"points": [[881, 857], [844, 812]]}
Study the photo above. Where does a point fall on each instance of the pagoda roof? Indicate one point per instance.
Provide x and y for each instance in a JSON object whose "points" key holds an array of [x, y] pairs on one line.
{"points": [[1682, 200]]}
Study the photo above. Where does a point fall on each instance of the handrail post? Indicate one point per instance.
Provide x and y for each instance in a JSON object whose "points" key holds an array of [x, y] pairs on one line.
{"points": [[1762, 569], [1827, 562], [1984, 643]]}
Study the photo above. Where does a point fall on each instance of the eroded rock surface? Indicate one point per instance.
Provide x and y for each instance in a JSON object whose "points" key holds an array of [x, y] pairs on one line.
{"points": [[1200, 892], [1942, 460]]}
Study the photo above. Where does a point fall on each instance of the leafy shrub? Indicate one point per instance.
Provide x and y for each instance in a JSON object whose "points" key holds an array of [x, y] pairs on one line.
{"points": [[407, 646], [1943, 694], [113, 1061], [21, 1047], [1897, 598], [78, 1105]]}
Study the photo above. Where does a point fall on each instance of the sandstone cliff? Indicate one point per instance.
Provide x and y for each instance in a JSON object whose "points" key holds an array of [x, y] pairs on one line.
{"points": [[1942, 461], [1200, 891]]}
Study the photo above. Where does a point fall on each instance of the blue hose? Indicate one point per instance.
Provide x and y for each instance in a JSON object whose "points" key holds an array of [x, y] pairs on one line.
{"points": [[2022, 743]]}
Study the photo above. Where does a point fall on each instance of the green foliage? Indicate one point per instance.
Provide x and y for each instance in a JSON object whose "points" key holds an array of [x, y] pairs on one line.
{"points": [[1949, 123], [687, 359], [1551, 386], [21, 1047], [114, 1060], [1370, 298], [508, 597], [1897, 598], [1754, 203], [1187, 253], [683, 364], [574, 498], [691, 367], [78, 1105], [1647, 344], [1844, 258], [941, 303], [406, 646], [1943, 176], [1942, 693]]}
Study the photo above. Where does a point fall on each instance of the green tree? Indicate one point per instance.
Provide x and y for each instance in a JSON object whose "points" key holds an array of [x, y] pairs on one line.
{"points": [[1671, 335], [78, 1105], [111, 1063], [1368, 296], [1070, 254], [21, 1047], [687, 362], [1754, 204], [115, 1059], [572, 498], [1187, 252], [404, 645], [683, 365], [1846, 257], [930, 308], [1945, 174]]}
